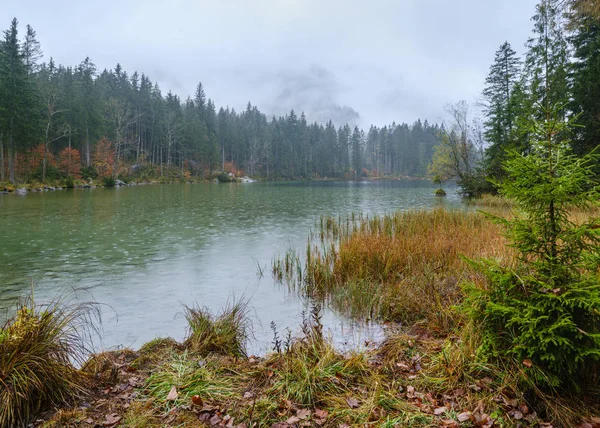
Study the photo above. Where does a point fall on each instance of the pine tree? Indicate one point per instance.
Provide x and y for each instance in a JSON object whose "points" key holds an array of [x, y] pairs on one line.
{"points": [[586, 84], [546, 310], [499, 110], [547, 59], [15, 99]]}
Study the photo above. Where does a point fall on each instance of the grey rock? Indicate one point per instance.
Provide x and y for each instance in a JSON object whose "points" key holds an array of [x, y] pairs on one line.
{"points": [[21, 191]]}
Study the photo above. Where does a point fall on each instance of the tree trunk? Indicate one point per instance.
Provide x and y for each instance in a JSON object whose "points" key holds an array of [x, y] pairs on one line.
{"points": [[87, 146], [11, 161], [1, 157]]}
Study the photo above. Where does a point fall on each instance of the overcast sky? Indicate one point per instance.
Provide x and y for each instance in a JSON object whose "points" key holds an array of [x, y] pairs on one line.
{"points": [[368, 61]]}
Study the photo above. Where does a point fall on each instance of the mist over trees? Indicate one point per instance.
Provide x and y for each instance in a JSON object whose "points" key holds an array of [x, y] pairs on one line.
{"points": [[560, 73], [52, 115]]}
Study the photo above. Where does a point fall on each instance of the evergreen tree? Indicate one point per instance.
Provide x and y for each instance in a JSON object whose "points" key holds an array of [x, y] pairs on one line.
{"points": [[546, 310], [586, 84], [499, 110], [547, 59]]}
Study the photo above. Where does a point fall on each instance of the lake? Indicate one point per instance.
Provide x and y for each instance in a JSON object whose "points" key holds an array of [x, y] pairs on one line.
{"points": [[145, 251]]}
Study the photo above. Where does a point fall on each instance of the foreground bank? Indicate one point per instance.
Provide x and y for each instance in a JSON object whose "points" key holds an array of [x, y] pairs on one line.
{"points": [[407, 269]]}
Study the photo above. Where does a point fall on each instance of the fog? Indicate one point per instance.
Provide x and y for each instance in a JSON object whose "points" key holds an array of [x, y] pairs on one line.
{"points": [[361, 62]]}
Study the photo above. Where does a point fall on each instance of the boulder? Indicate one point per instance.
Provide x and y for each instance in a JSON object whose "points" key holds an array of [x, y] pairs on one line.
{"points": [[21, 191], [440, 192], [120, 183]]}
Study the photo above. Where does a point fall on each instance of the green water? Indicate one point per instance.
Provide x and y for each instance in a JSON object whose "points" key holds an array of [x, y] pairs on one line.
{"points": [[144, 251]]}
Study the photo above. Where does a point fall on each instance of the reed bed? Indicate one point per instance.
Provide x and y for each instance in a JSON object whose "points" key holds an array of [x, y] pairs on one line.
{"points": [[402, 267]]}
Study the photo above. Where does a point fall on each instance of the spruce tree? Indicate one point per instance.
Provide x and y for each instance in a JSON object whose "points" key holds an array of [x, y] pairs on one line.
{"points": [[586, 84], [547, 59], [545, 311], [500, 111]]}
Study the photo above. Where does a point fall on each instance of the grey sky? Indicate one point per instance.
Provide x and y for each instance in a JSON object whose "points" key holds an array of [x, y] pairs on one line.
{"points": [[373, 61]]}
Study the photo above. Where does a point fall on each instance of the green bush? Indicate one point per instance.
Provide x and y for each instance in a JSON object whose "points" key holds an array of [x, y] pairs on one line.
{"points": [[69, 182], [88, 172], [225, 178], [545, 312], [109, 182]]}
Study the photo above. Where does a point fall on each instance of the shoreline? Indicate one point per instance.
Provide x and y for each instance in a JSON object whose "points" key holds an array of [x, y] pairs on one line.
{"points": [[23, 189]]}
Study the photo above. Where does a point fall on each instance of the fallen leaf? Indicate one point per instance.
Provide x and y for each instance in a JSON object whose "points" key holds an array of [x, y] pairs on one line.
{"points": [[248, 395], [303, 413], [172, 394], [197, 400], [527, 363], [280, 425], [111, 420], [215, 420], [450, 423], [89, 421], [440, 411], [293, 420], [353, 403], [464, 417], [321, 414]]}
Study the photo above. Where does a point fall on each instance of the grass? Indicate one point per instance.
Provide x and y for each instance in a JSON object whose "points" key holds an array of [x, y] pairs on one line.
{"points": [[225, 333], [39, 347], [403, 267]]}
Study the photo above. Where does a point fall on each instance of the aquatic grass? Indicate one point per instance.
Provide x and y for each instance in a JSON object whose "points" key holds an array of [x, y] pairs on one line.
{"points": [[402, 267], [226, 333], [40, 347]]}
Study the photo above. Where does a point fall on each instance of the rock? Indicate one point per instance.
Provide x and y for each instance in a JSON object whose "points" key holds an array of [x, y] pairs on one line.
{"points": [[120, 183], [21, 191], [3, 192], [87, 186], [440, 192], [59, 188], [247, 179], [51, 189]]}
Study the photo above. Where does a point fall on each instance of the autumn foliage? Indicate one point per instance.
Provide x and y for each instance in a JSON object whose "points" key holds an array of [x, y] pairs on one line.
{"points": [[35, 158], [104, 158], [70, 162]]}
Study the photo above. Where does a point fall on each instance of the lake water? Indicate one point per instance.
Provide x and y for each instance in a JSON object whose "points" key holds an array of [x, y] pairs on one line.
{"points": [[145, 251]]}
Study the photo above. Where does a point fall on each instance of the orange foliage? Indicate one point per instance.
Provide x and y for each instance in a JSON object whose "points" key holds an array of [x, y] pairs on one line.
{"points": [[230, 167], [104, 158], [35, 158], [70, 162]]}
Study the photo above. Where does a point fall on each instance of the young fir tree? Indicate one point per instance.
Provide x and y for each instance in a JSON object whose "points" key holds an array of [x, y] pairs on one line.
{"points": [[500, 111], [545, 312]]}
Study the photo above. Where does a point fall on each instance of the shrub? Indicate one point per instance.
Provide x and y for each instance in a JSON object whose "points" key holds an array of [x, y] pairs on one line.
{"points": [[69, 182], [225, 178], [546, 312], [109, 181], [37, 350], [88, 172]]}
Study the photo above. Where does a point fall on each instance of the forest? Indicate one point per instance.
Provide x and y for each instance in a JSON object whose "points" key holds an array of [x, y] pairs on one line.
{"points": [[59, 121], [558, 77]]}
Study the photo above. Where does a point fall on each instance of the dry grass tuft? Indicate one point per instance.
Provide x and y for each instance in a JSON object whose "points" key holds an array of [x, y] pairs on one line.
{"points": [[226, 333], [38, 349]]}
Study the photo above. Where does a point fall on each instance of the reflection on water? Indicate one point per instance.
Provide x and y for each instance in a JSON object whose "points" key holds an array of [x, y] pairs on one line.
{"points": [[145, 251]]}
